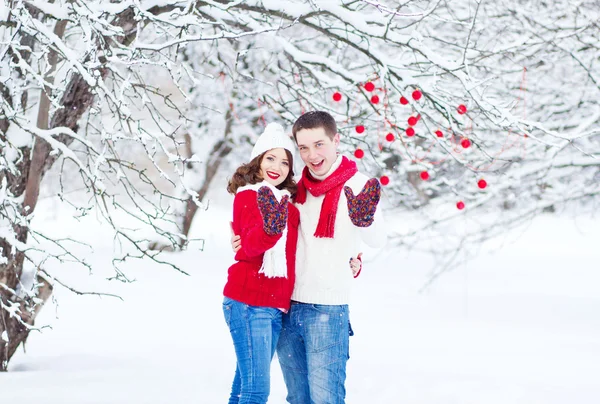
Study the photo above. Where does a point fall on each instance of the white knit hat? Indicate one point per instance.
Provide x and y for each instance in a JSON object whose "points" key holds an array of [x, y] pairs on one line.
{"points": [[272, 138]]}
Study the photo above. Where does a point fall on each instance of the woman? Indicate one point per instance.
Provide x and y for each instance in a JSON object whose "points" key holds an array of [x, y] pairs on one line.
{"points": [[260, 283]]}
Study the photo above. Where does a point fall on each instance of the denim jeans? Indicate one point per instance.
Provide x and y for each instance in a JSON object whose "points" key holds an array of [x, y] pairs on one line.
{"points": [[255, 331], [313, 350]]}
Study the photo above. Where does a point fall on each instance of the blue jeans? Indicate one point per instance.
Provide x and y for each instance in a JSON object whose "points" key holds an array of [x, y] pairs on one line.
{"points": [[255, 331], [313, 350]]}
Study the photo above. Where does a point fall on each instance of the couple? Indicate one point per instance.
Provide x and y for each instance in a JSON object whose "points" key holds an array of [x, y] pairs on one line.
{"points": [[289, 288]]}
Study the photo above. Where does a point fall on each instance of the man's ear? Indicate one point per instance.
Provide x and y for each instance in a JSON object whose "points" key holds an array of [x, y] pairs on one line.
{"points": [[336, 139]]}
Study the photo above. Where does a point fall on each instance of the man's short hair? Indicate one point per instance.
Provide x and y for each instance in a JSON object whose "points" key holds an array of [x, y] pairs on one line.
{"points": [[314, 120]]}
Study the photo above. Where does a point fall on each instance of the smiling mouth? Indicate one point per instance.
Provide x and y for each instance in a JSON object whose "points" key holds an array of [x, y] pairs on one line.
{"points": [[273, 175], [318, 165]]}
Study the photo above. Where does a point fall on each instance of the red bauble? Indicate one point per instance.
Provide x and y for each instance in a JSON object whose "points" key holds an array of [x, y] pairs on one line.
{"points": [[384, 180], [460, 205], [412, 121], [369, 86], [359, 153], [462, 109], [424, 175], [403, 101], [375, 99], [337, 96], [439, 133], [416, 95], [389, 137], [360, 129], [465, 143], [482, 183], [410, 132]]}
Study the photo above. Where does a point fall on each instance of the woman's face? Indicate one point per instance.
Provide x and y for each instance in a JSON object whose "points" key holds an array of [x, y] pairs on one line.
{"points": [[275, 166]]}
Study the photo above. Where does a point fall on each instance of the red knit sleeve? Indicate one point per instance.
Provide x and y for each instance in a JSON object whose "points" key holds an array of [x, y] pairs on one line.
{"points": [[250, 225]]}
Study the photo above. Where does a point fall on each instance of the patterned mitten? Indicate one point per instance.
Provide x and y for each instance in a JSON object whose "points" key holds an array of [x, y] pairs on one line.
{"points": [[361, 207], [274, 214]]}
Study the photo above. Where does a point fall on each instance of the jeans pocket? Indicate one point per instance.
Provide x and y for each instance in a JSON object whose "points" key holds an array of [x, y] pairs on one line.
{"points": [[227, 307], [329, 308]]}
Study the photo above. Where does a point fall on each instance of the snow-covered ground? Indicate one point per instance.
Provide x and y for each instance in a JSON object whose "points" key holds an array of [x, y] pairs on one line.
{"points": [[518, 325]]}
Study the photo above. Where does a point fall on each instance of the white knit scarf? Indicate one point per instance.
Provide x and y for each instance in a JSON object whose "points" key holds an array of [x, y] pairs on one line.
{"points": [[274, 263]]}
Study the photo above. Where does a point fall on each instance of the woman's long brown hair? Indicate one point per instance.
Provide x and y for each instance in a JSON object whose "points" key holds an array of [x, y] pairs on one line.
{"points": [[250, 174]]}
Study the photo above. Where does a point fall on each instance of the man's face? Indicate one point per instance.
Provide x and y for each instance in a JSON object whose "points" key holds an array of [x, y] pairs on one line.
{"points": [[317, 150]]}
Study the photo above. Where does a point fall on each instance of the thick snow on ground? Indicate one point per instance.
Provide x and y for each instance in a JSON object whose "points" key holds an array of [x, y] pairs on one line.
{"points": [[518, 324]]}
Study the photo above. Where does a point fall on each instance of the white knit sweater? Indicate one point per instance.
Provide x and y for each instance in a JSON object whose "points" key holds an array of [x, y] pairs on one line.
{"points": [[323, 274]]}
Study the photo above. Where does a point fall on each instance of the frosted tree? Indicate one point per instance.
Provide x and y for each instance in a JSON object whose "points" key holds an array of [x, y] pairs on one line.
{"points": [[458, 107], [463, 109]]}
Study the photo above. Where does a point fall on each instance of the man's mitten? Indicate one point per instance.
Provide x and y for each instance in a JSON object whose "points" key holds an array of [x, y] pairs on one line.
{"points": [[274, 214], [361, 207]]}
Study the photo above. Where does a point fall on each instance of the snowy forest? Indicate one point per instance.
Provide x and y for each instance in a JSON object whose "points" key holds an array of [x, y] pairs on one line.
{"points": [[462, 109]]}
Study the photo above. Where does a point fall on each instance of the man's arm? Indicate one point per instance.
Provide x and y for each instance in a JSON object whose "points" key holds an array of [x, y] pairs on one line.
{"points": [[365, 212]]}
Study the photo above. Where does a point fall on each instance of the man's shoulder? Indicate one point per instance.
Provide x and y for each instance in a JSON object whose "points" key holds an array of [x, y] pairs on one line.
{"points": [[357, 181]]}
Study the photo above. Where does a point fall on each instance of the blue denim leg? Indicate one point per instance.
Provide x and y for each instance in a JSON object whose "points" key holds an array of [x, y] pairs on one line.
{"points": [[326, 336], [313, 351], [292, 358], [255, 332]]}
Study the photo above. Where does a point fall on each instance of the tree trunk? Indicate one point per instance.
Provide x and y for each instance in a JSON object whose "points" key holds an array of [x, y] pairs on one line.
{"points": [[219, 152], [16, 328], [17, 313]]}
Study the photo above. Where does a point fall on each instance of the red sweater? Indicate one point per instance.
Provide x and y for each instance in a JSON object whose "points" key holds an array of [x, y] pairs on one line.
{"points": [[244, 283]]}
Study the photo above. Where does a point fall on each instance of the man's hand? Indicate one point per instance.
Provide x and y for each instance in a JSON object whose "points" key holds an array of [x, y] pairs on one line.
{"points": [[274, 213], [236, 241], [361, 207]]}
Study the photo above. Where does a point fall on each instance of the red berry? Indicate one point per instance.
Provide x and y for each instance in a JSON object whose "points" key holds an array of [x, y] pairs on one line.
{"points": [[424, 175], [439, 133], [403, 101], [416, 95], [410, 132], [482, 183], [369, 86], [389, 137], [465, 143], [460, 205], [412, 121], [375, 99], [462, 109], [337, 96], [359, 153], [360, 129], [384, 180]]}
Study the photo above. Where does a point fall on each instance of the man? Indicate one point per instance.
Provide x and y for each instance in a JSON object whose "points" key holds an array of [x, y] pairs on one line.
{"points": [[338, 210]]}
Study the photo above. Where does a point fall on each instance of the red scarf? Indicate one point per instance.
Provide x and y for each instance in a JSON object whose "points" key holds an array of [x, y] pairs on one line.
{"points": [[332, 188]]}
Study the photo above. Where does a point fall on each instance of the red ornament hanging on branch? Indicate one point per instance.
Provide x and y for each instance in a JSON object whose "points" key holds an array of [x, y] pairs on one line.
{"points": [[360, 129], [384, 180], [439, 133], [403, 101], [337, 96], [389, 137], [412, 121], [410, 132], [465, 143], [359, 153], [482, 183], [424, 175], [369, 86], [460, 205], [375, 99], [416, 95], [462, 109]]}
